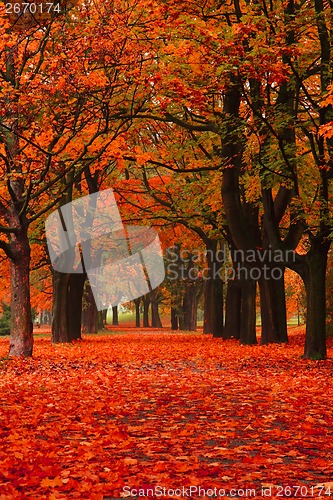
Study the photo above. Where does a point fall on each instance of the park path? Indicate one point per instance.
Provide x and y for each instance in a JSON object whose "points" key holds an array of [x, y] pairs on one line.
{"points": [[121, 415]]}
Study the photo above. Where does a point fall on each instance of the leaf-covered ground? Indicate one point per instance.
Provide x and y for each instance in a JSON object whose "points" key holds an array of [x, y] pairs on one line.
{"points": [[115, 413]]}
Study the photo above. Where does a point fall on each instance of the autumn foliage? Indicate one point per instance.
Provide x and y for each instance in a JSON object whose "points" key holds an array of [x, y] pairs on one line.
{"points": [[86, 419], [211, 121]]}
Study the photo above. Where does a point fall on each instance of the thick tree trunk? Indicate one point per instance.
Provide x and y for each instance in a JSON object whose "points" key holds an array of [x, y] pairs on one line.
{"points": [[90, 312], [273, 310], [67, 295], [67, 306], [242, 302], [21, 337], [248, 312], [213, 307], [190, 306], [89, 324], [155, 316], [242, 218], [115, 319], [233, 310], [18, 249], [101, 317], [59, 307], [315, 285], [213, 304], [210, 316], [74, 305]]}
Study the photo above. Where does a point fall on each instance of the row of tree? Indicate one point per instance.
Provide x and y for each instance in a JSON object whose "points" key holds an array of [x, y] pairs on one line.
{"points": [[215, 117]]}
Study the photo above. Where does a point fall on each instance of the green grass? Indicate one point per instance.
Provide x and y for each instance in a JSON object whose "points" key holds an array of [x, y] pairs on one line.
{"points": [[106, 331]]}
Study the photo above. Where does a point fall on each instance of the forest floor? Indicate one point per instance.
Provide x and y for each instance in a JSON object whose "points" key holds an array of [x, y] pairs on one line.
{"points": [[118, 415]]}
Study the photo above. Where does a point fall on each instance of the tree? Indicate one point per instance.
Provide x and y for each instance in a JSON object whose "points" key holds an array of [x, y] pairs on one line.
{"points": [[220, 73], [170, 180], [56, 122]]}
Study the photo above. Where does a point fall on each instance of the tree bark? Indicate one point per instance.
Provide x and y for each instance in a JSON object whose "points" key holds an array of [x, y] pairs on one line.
{"points": [[233, 310], [21, 336], [74, 305], [248, 312], [174, 319], [155, 315], [146, 302], [101, 318], [115, 319], [315, 285], [273, 310], [190, 306], [213, 304], [89, 312], [18, 248], [312, 269], [67, 306], [59, 307], [175, 271], [137, 312]]}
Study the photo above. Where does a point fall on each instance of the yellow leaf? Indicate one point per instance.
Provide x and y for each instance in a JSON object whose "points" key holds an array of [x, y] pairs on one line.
{"points": [[130, 461], [51, 483]]}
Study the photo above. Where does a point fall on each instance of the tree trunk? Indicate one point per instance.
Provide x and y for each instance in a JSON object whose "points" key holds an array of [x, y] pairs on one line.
{"points": [[74, 305], [155, 315], [89, 312], [248, 312], [315, 286], [213, 304], [190, 306], [66, 317], [273, 310], [115, 319], [174, 319], [192, 292], [67, 306], [101, 317], [18, 248], [21, 336], [233, 310], [241, 302], [146, 302], [181, 321], [242, 218], [59, 307], [137, 312], [175, 272]]}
